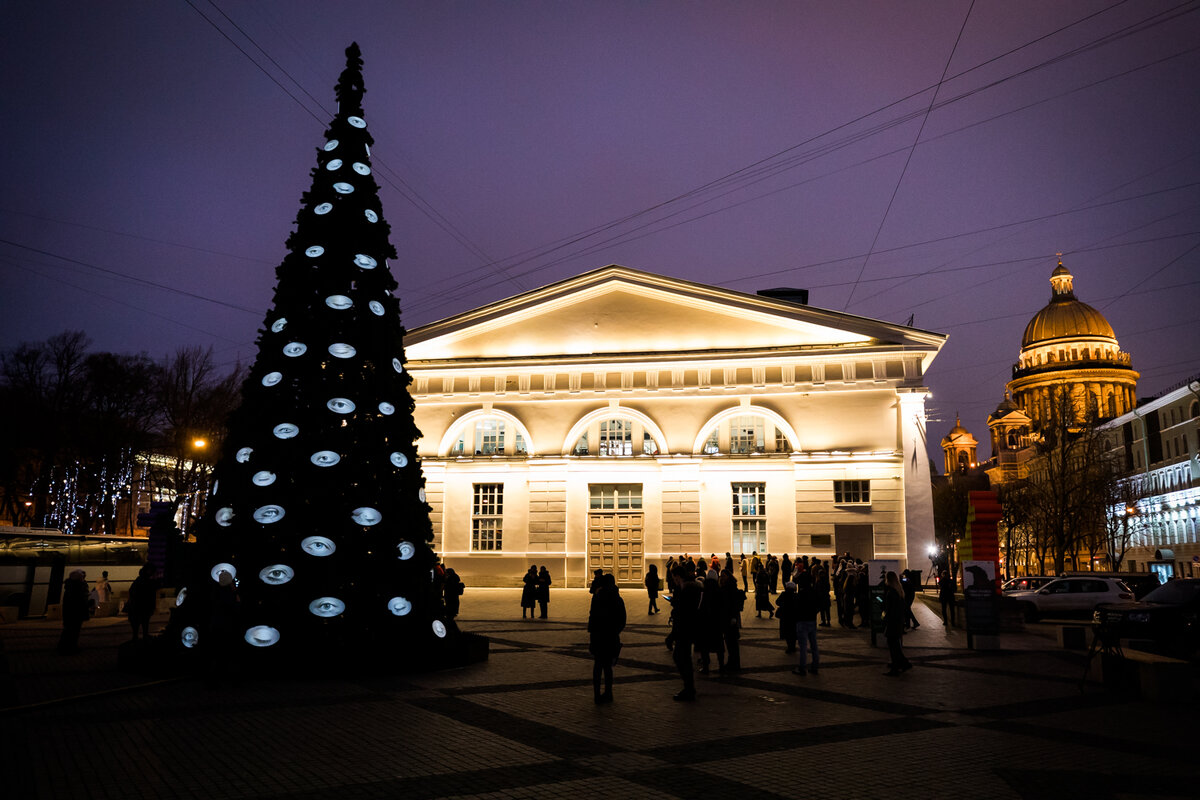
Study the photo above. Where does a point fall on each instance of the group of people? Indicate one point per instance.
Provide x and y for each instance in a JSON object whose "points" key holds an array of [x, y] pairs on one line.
{"points": [[79, 603], [706, 606], [535, 591]]}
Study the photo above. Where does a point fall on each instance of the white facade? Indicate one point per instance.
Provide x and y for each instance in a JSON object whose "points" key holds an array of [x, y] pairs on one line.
{"points": [[1157, 446], [619, 417]]}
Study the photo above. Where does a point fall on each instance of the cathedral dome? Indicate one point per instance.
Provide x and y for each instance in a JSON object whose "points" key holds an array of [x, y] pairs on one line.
{"points": [[1065, 317]]}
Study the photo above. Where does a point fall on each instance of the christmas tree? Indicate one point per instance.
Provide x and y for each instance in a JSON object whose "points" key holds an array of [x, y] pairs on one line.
{"points": [[318, 509]]}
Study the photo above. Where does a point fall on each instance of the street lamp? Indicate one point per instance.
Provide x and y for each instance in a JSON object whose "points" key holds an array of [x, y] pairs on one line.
{"points": [[199, 443]]}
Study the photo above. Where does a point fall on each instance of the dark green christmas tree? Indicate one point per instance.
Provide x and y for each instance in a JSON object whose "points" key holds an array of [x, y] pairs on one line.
{"points": [[318, 508]]}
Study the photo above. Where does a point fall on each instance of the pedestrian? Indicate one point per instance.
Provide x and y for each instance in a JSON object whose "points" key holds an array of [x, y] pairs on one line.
{"points": [[606, 620], [909, 582], [529, 591], [596, 575], [453, 588], [806, 625], [543, 587], [735, 602], [894, 613], [714, 562], [74, 611], [756, 564], [728, 562], [772, 568], [762, 595], [838, 581], [849, 594], [652, 588], [785, 569], [103, 588], [685, 616], [946, 594], [711, 637], [785, 612], [744, 570], [143, 597], [821, 590]]}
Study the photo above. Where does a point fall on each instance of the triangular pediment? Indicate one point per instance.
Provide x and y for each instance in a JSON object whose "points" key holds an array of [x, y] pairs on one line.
{"points": [[617, 310]]}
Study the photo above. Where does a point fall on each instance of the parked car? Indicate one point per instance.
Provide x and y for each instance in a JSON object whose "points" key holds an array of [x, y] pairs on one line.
{"points": [[1069, 597], [1168, 618], [1028, 583]]}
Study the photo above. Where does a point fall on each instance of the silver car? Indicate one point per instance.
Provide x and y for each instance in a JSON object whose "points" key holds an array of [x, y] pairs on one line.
{"points": [[1069, 597]]}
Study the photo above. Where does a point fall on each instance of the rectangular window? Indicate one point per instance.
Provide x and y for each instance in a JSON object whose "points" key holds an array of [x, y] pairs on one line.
{"points": [[851, 493], [749, 518], [746, 435], [615, 496], [487, 515]]}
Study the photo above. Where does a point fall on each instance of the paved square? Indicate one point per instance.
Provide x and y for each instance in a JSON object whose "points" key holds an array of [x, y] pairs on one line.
{"points": [[1014, 723]]}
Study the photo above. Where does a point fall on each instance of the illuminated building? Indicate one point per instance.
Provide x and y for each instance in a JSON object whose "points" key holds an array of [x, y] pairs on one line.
{"points": [[1157, 448], [959, 447], [618, 417], [1070, 347]]}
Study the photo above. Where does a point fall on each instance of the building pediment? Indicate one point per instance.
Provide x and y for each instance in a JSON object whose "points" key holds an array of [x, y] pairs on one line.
{"points": [[616, 310]]}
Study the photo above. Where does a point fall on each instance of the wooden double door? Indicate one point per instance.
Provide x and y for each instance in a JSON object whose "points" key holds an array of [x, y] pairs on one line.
{"points": [[615, 545]]}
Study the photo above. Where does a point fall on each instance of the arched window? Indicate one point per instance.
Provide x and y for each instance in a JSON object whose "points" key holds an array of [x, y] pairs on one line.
{"points": [[486, 433], [744, 430], [615, 432], [1195, 409]]}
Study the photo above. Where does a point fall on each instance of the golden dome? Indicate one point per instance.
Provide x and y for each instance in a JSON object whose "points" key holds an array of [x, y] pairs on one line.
{"points": [[1065, 317]]}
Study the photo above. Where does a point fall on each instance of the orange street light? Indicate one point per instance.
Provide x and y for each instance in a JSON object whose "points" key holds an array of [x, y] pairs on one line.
{"points": [[199, 444]]}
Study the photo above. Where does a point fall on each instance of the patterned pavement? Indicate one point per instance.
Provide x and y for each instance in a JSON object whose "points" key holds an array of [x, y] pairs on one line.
{"points": [[1015, 723]]}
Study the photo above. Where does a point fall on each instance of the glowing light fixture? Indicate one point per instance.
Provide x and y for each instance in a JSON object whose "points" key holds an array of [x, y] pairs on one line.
{"points": [[262, 636], [325, 458], [317, 545]]}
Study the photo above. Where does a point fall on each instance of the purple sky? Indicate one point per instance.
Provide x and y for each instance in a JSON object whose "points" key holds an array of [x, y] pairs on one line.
{"points": [[151, 165]]}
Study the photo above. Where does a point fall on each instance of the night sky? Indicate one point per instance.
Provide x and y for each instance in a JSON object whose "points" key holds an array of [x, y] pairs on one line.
{"points": [[154, 171]]}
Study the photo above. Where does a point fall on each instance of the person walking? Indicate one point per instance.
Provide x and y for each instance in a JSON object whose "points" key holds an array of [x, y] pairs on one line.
{"points": [[543, 589], [685, 619], [946, 594], [606, 620], [785, 612], [652, 588], [849, 595], [894, 614], [103, 588], [745, 573], [806, 625], [74, 611], [143, 597], [529, 591]]}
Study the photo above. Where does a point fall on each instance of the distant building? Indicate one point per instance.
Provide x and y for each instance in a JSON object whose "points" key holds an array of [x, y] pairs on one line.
{"points": [[959, 448], [1068, 347], [1157, 446], [620, 417]]}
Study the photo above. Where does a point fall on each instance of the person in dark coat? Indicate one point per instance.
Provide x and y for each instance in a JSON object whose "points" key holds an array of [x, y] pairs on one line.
{"points": [[895, 612], [772, 567], [74, 611], [543, 589], [735, 602], [606, 620], [762, 595], [785, 569], [806, 624], [946, 594], [685, 622], [529, 591], [453, 588], [849, 595], [821, 589], [785, 612], [909, 582], [652, 588], [143, 597], [711, 637]]}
